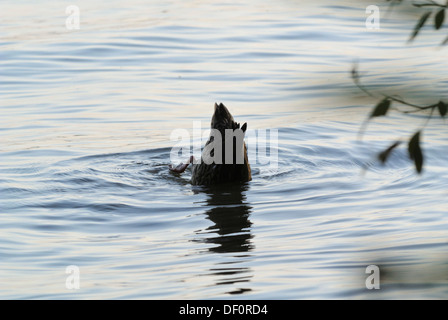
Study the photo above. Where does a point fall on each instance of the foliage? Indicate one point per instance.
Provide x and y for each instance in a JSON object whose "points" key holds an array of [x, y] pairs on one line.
{"points": [[388, 102]]}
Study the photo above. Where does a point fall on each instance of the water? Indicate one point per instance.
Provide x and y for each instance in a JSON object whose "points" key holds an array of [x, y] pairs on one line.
{"points": [[85, 144]]}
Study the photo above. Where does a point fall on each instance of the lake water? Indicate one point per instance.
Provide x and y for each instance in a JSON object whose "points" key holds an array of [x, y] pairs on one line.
{"points": [[87, 117]]}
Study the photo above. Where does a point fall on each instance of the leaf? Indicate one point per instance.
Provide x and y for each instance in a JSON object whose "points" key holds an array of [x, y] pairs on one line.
{"points": [[442, 108], [385, 154], [381, 108], [440, 17], [420, 24], [415, 152]]}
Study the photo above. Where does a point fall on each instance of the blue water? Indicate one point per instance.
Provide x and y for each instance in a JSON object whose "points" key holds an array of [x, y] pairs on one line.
{"points": [[85, 131]]}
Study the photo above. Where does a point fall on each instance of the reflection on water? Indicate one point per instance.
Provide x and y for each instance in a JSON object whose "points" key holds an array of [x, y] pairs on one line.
{"points": [[229, 211]]}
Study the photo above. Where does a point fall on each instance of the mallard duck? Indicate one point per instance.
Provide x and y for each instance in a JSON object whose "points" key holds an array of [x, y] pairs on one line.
{"points": [[219, 170]]}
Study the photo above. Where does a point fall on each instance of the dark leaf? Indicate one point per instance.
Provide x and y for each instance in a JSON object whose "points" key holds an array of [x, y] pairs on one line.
{"points": [[420, 24], [415, 152], [385, 154], [438, 21], [442, 108], [381, 108]]}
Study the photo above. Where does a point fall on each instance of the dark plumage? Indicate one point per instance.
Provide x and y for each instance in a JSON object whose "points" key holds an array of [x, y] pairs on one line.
{"points": [[208, 172]]}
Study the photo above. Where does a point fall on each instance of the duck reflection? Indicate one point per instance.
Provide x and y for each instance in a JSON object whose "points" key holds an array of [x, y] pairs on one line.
{"points": [[229, 212]]}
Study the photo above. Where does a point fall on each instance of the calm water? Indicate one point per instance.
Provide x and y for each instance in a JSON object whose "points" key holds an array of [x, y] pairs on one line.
{"points": [[85, 144]]}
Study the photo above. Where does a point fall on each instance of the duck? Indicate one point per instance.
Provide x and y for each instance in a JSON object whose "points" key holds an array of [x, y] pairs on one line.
{"points": [[215, 167]]}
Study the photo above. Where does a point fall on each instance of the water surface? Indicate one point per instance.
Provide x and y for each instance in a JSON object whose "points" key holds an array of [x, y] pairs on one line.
{"points": [[85, 143]]}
